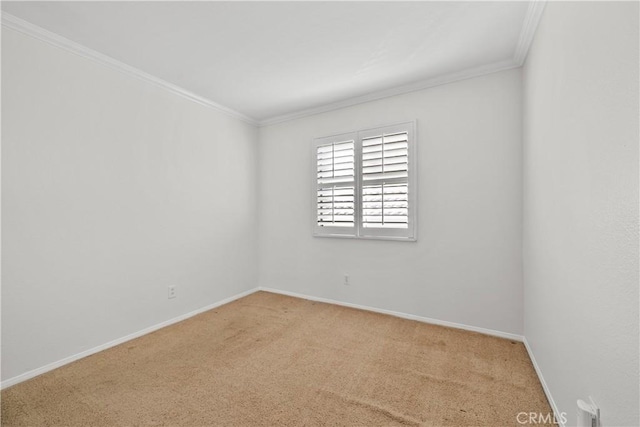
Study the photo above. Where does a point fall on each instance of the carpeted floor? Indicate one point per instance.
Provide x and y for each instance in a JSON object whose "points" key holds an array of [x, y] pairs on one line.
{"points": [[272, 360]]}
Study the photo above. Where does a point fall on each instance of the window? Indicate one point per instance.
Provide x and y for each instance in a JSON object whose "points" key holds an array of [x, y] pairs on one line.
{"points": [[365, 184]]}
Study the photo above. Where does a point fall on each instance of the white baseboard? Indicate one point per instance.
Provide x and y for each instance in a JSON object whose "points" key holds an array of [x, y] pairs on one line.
{"points": [[51, 366], [500, 334], [545, 387], [38, 371]]}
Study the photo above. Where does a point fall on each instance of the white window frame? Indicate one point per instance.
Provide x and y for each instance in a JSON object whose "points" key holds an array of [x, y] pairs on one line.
{"points": [[358, 231]]}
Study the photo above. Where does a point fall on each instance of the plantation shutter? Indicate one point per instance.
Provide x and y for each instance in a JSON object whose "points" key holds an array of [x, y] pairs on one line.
{"points": [[387, 193], [385, 187], [365, 184], [336, 185]]}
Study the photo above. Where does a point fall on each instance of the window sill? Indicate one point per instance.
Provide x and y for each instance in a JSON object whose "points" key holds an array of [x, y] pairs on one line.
{"points": [[346, 236]]}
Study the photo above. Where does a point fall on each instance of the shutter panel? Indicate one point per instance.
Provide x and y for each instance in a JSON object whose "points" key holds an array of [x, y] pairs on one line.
{"points": [[385, 206], [385, 157], [336, 206], [385, 181], [335, 175]]}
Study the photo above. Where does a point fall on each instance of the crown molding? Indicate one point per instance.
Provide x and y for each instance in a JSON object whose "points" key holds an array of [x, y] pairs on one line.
{"points": [[398, 90], [24, 27], [529, 26]]}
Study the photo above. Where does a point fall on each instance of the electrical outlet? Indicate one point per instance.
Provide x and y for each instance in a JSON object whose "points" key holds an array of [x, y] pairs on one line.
{"points": [[346, 280], [172, 292]]}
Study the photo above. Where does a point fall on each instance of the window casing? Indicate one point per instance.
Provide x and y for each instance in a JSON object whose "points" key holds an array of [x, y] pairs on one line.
{"points": [[364, 184]]}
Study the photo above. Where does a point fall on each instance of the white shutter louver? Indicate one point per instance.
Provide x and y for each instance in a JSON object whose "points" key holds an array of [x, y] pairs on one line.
{"points": [[385, 205], [335, 176], [385, 173]]}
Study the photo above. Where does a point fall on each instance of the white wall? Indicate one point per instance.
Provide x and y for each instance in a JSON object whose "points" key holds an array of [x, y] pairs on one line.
{"points": [[466, 265], [581, 206], [113, 189]]}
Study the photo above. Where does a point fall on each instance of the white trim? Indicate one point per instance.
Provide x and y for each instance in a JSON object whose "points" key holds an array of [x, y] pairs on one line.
{"points": [[529, 27], [399, 90], [51, 366], [24, 27], [507, 335], [530, 24], [351, 236], [545, 387]]}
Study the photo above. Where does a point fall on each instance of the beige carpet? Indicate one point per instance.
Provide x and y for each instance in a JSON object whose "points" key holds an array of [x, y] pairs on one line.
{"points": [[272, 360]]}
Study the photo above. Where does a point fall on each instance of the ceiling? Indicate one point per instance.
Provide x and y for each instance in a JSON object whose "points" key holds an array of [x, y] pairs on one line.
{"points": [[270, 61]]}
